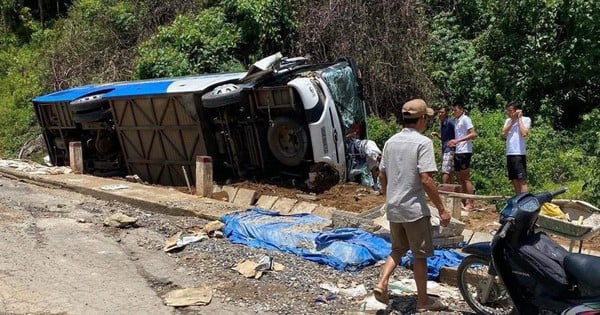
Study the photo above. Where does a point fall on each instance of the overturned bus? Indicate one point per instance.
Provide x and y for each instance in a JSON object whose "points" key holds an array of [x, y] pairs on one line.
{"points": [[283, 116]]}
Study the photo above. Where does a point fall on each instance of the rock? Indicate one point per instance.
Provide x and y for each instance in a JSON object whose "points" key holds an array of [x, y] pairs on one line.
{"points": [[213, 226], [120, 220]]}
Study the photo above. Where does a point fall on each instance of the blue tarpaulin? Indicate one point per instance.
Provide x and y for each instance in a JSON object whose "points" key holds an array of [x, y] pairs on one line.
{"points": [[303, 235]]}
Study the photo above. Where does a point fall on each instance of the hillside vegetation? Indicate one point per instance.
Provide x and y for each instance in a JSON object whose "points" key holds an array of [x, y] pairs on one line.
{"points": [[544, 54]]}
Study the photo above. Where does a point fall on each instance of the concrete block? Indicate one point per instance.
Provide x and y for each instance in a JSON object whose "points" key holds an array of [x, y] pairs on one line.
{"points": [[231, 192], [303, 207], [245, 197], [374, 212], [266, 202], [480, 237], [383, 222], [284, 205], [455, 227], [323, 211], [307, 197], [343, 219], [467, 235], [445, 241]]}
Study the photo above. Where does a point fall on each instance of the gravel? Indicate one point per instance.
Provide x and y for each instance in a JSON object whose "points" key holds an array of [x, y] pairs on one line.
{"points": [[295, 290]]}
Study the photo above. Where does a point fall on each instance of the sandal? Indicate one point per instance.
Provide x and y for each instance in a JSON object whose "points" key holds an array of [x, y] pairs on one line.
{"points": [[436, 306], [381, 295]]}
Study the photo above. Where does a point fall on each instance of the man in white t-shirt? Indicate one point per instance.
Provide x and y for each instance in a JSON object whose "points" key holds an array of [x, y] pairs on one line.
{"points": [[516, 128], [464, 133]]}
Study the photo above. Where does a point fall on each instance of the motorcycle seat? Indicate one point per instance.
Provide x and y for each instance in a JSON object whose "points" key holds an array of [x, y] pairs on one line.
{"points": [[583, 269]]}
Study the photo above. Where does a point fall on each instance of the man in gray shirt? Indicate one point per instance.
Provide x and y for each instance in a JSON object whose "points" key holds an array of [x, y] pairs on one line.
{"points": [[406, 173]]}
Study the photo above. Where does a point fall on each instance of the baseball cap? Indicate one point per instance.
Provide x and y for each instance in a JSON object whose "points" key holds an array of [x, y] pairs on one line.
{"points": [[416, 108]]}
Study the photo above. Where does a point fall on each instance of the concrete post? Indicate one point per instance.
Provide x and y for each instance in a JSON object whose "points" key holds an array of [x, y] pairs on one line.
{"points": [[204, 176], [76, 157], [452, 203]]}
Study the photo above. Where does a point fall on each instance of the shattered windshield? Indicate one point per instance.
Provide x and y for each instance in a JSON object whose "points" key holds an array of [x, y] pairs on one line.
{"points": [[347, 96]]}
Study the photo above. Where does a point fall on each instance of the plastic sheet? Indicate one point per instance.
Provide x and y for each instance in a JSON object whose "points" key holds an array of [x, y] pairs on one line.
{"points": [[303, 235], [440, 258]]}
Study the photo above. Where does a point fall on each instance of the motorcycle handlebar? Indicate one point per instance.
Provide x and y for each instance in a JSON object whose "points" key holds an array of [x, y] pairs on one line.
{"points": [[559, 191], [507, 225]]}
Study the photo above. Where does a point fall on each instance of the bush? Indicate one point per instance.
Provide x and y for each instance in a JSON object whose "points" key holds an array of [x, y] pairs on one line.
{"points": [[488, 165], [380, 130], [20, 74], [193, 44]]}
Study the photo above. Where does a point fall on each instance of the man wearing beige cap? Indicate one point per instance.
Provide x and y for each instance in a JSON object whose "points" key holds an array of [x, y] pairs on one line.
{"points": [[406, 174]]}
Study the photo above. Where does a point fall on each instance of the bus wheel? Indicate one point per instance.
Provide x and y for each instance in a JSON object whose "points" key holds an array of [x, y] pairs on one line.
{"points": [[288, 141], [222, 96]]}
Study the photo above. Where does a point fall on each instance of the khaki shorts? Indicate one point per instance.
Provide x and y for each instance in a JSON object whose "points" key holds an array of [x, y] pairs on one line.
{"points": [[416, 236]]}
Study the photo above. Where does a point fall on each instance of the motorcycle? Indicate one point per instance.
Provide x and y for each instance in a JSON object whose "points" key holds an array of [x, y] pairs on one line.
{"points": [[523, 271]]}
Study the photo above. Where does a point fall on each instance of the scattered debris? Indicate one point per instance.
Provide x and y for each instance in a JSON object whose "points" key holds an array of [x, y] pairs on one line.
{"points": [[265, 263], [120, 220], [134, 179], [197, 296], [114, 187], [352, 292], [81, 220], [33, 168], [179, 240], [248, 269], [213, 226], [251, 269], [408, 287], [371, 304], [324, 299]]}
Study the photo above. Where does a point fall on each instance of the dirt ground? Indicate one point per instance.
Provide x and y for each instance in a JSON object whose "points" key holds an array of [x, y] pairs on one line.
{"points": [[359, 199]]}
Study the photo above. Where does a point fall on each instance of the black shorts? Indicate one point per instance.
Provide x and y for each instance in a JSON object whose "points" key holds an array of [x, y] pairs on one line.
{"points": [[462, 161], [516, 166]]}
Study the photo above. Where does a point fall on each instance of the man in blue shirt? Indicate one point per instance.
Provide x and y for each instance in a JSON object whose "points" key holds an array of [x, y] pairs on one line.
{"points": [[446, 134]]}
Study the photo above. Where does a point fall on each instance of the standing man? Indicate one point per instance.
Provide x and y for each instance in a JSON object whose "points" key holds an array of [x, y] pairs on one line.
{"points": [[446, 134], [406, 175], [464, 133], [516, 128]]}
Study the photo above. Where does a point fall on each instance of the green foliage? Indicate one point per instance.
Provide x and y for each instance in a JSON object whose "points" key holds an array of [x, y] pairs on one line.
{"points": [[488, 168], [543, 53], [19, 82], [267, 26], [457, 69], [588, 140], [193, 44], [380, 130], [93, 44], [16, 21]]}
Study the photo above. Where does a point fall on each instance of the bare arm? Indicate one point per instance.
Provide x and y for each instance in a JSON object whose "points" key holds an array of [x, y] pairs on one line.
{"points": [[431, 189], [383, 182], [516, 119], [470, 135], [522, 128], [507, 127]]}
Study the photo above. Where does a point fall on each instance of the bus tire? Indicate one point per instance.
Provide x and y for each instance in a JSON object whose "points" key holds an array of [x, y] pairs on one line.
{"points": [[288, 140], [222, 95]]}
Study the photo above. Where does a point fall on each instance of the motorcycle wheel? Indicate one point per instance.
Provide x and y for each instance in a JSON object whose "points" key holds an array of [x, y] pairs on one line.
{"points": [[472, 276]]}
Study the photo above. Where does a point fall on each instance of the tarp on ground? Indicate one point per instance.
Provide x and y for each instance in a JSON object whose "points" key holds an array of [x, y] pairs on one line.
{"points": [[303, 235]]}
